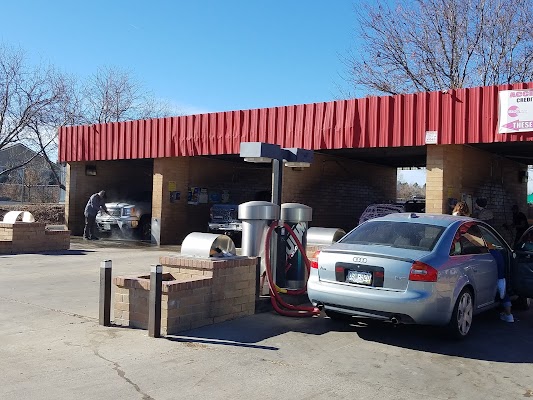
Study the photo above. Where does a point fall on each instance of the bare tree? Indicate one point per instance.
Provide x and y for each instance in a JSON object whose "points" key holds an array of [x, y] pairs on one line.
{"points": [[408, 191], [32, 101], [428, 45], [27, 95], [113, 95], [35, 102]]}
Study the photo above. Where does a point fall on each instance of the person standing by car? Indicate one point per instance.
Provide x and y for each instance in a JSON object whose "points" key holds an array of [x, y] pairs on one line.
{"points": [[506, 315], [95, 204], [481, 212], [501, 283], [461, 209], [520, 224]]}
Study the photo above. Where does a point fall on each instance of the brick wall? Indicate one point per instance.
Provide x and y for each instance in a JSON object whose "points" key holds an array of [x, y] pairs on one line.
{"points": [[172, 217], [196, 292], [242, 180], [338, 190], [456, 169], [178, 219], [453, 170], [31, 237], [443, 174]]}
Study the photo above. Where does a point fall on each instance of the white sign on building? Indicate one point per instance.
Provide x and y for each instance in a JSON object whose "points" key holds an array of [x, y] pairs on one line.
{"points": [[432, 137], [516, 111]]}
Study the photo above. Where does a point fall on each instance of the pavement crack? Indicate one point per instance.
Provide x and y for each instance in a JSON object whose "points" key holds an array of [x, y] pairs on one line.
{"points": [[122, 374]]}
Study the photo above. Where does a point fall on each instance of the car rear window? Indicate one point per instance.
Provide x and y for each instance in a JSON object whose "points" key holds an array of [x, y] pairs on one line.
{"points": [[395, 234]]}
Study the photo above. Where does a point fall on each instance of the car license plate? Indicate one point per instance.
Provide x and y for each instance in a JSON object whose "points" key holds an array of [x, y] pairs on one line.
{"points": [[107, 227], [363, 278]]}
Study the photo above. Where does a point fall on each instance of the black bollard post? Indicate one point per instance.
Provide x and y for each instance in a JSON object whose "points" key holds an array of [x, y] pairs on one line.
{"points": [[154, 301], [105, 293]]}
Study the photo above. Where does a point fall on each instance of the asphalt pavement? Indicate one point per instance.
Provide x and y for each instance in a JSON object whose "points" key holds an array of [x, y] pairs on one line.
{"points": [[52, 347]]}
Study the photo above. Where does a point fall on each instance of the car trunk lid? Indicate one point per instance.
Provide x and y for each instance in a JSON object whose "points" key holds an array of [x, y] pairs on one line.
{"points": [[359, 267]]}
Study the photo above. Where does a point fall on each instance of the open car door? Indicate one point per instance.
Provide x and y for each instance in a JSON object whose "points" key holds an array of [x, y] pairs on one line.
{"points": [[522, 266]]}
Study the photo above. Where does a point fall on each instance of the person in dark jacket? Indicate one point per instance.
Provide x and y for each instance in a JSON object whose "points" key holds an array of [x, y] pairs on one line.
{"points": [[95, 204], [481, 212], [520, 224]]}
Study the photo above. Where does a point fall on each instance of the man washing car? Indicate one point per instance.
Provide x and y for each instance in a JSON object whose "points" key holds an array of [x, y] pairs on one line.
{"points": [[95, 204]]}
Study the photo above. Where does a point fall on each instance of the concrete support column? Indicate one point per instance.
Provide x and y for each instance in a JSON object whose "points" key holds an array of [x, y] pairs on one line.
{"points": [[170, 175]]}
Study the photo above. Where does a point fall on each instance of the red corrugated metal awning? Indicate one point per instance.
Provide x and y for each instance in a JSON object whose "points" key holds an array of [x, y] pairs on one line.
{"points": [[459, 116]]}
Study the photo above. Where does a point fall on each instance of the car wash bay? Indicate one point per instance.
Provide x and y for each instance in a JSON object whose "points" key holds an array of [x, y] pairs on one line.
{"points": [[192, 161]]}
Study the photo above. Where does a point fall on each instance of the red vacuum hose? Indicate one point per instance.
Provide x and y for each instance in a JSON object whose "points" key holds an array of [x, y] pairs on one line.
{"points": [[277, 302]]}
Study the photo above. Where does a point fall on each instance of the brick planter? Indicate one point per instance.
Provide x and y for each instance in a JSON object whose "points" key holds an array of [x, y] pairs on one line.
{"points": [[31, 237], [196, 292]]}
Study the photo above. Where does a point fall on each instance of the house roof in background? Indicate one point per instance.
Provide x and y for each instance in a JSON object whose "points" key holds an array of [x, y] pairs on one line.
{"points": [[16, 154]]}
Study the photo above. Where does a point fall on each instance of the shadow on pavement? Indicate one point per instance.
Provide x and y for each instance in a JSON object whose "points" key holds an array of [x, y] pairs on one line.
{"points": [[118, 243], [490, 339], [244, 332], [179, 339], [70, 252]]}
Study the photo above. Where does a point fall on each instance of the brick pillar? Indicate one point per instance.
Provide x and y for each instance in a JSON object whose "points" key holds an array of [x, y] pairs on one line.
{"points": [[171, 216], [443, 177], [74, 204], [456, 170]]}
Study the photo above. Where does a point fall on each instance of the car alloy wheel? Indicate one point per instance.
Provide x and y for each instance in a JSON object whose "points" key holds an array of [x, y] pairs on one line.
{"points": [[463, 312]]}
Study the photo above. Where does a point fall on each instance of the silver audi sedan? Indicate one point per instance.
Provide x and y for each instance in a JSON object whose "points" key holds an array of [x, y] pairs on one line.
{"points": [[414, 268]]}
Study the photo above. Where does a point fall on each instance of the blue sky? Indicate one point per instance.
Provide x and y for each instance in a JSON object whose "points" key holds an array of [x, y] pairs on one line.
{"points": [[201, 55], [198, 55]]}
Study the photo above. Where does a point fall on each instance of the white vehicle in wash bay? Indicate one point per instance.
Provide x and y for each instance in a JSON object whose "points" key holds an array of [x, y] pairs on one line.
{"points": [[128, 218], [413, 268]]}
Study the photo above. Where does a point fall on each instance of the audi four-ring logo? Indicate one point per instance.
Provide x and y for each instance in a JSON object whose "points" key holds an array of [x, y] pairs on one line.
{"points": [[360, 259]]}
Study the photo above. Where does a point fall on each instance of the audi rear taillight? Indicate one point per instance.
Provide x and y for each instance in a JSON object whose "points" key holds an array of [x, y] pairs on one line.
{"points": [[423, 272], [314, 260]]}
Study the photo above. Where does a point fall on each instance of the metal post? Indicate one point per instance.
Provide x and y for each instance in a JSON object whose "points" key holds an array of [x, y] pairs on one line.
{"points": [[105, 293], [154, 301], [277, 184], [280, 277], [277, 181]]}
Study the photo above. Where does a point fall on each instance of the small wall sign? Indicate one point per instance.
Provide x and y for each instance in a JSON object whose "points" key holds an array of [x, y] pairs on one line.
{"points": [[432, 137]]}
